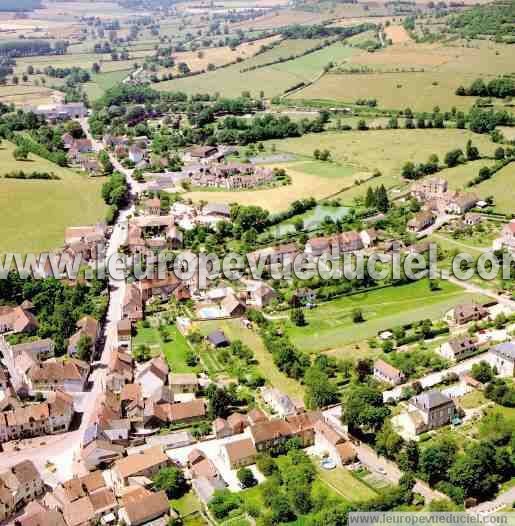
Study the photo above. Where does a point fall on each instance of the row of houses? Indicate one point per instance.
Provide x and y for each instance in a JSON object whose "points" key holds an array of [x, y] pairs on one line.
{"points": [[228, 175]]}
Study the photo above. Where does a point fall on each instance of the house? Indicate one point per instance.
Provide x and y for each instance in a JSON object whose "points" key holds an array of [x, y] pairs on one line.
{"points": [[504, 358], [461, 202], [434, 409], [47, 418], [508, 236], [152, 376], [302, 427], [237, 422], [459, 348], [256, 416], [186, 412], [183, 383], [67, 376], [228, 175], [472, 219], [61, 111], [431, 188], [136, 154], [132, 307], [92, 166], [124, 333], [17, 320], [152, 206], [344, 242], [221, 428], [232, 307], [421, 221], [120, 370], [19, 485], [239, 454], [87, 327], [144, 464], [271, 257], [259, 294], [38, 350], [467, 312], [206, 487], [219, 211], [329, 441], [78, 487], [100, 453], [201, 152], [267, 435], [369, 237], [384, 372], [278, 401], [149, 507], [218, 339]]}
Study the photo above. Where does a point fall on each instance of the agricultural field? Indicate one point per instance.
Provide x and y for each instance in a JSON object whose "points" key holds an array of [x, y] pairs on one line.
{"points": [[501, 186], [330, 325], [419, 76], [397, 34], [459, 176], [44, 208], [273, 80], [27, 94]]}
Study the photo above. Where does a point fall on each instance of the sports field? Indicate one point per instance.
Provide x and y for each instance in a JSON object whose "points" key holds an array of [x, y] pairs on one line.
{"points": [[330, 324], [35, 213]]}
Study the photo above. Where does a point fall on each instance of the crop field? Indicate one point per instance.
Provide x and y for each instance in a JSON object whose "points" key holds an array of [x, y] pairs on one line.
{"points": [[221, 55], [26, 94], [330, 324], [502, 187], [273, 80], [281, 19], [397, 34], [44, 208]]}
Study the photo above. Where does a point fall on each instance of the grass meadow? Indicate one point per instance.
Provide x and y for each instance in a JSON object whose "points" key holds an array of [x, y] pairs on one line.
{"points": [[330, 324], [36, 212], [502, 187]]}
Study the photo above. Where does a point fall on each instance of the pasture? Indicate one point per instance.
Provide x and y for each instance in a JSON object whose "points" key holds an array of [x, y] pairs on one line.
{"points": [[501, 186], [43, 209], [459, 176], [330, 324]]}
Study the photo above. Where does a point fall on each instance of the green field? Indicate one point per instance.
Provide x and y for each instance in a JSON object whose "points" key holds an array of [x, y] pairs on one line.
{"points": [[459, 176], [235, 331], [273, 80], [330, 324], [346, 485], [35, 213], [502, 187], [174, 350]]}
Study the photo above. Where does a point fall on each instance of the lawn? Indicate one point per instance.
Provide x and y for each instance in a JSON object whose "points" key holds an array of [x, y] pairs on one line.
{"points": [[175, 350], [235, 331], [187, 504], [345, 484], [501, 186], [43, 209], [330, 325]]}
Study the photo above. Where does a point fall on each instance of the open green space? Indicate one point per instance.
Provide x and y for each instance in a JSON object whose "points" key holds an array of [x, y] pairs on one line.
{"points": [[187, 504], [502, 187], [175, 349], [36, 212], [234, 330], [345, 484], [330, 324], [459, 176]]}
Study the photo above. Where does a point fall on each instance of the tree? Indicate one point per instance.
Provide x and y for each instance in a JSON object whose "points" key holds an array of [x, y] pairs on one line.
{"points": [[364, 408], [266, 464], [388, 442], [320, 391], [281, 510], [408, 458], [436, 459], [223, 502], [142, 353], [220, 401], [172, 481], [382, 202], [454, 157], [370, 199], [357, 315], [246, 478], [297, 317], [499, 153], [95, 68], [105, 162], [84, 348], [482, 372], [20, 153], [472, 151]]}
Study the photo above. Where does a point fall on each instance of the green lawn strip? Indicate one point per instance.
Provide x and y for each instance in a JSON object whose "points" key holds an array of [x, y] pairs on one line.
{"points": [[330, 325], [235, 331], [346, 484]]}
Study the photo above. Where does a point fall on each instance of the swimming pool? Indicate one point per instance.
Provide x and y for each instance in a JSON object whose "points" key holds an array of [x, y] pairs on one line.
{"points": [[209, 313]]}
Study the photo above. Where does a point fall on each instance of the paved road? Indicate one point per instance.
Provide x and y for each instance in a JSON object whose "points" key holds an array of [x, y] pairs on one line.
{"points": [[476, 289], [63, 450], [507, 498]]}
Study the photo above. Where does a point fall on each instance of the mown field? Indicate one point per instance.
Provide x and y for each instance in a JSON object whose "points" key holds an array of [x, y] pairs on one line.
{"points": [[35, 213], [459, 176], [330, 324]]}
